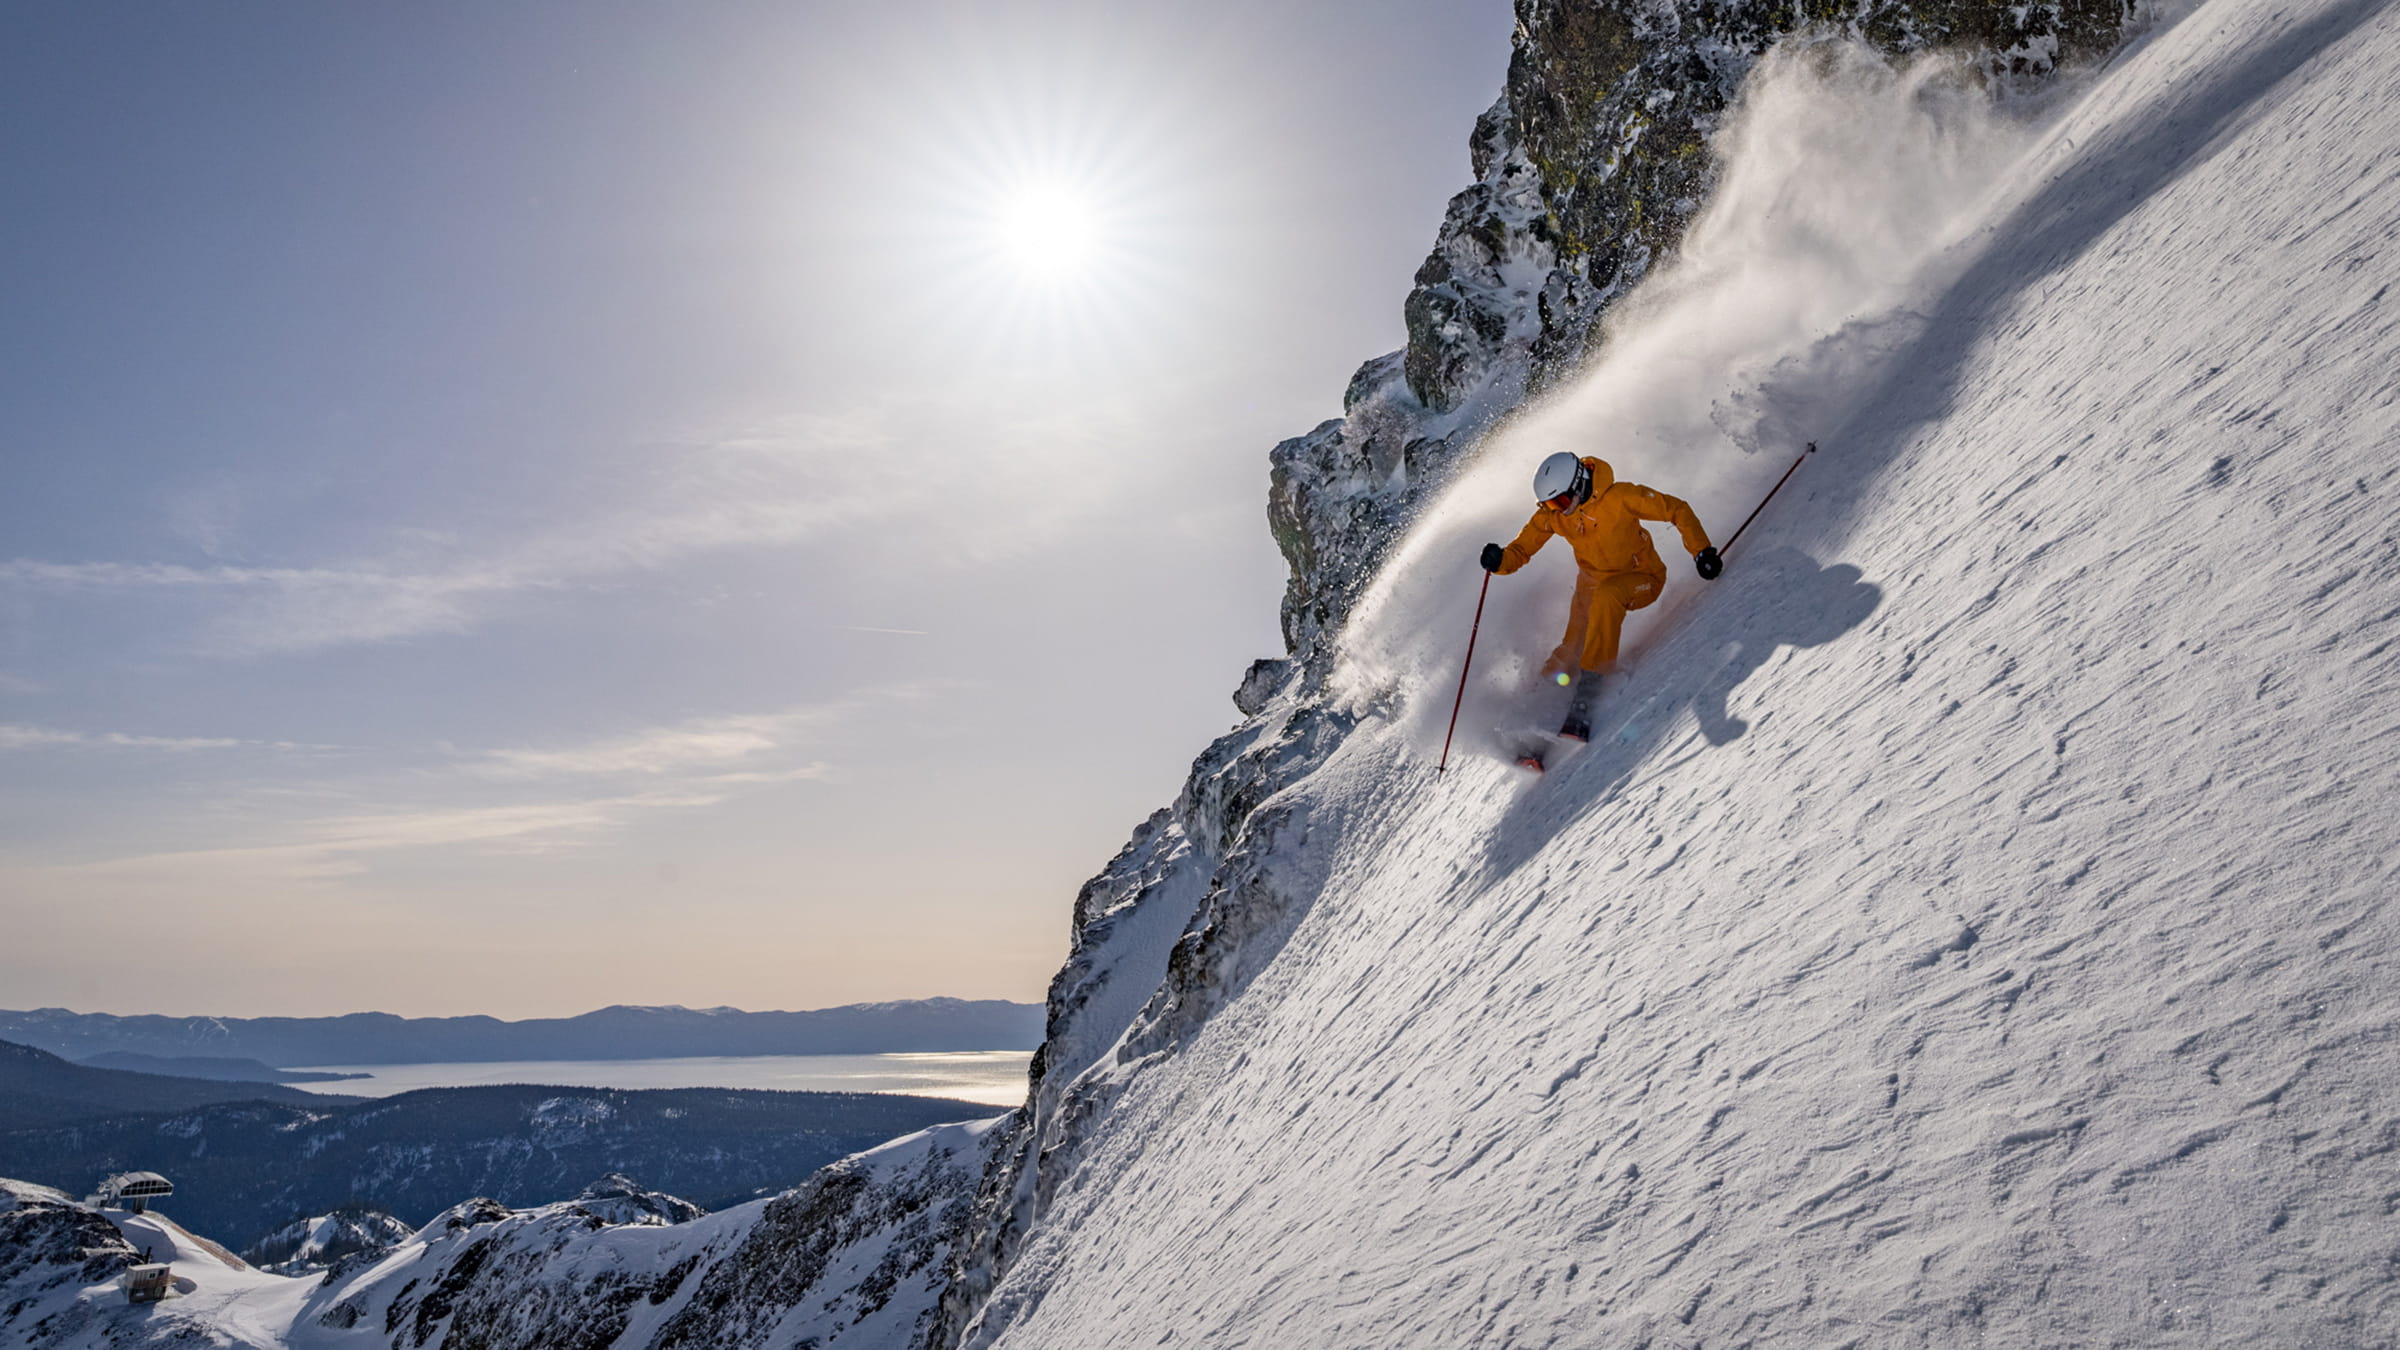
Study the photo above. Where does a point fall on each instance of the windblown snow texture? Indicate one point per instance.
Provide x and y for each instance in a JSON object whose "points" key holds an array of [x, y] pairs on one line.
{"points": [[1971, 924]]}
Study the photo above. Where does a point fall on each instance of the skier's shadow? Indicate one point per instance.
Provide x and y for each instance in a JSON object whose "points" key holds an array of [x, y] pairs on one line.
{"points": [[1811, 605], [1766, 602]]}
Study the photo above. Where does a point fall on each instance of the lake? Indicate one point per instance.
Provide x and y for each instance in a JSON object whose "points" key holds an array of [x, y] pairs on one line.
{"points": [[992, 1077]]}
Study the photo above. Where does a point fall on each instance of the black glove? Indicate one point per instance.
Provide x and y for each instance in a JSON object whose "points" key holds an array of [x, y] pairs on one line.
{"points": [[1709, 564], [1492, 559]]}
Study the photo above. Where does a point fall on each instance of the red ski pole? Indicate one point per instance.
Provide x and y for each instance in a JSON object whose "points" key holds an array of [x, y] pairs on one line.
{"points": [[1762, 502], [1462, 673]]}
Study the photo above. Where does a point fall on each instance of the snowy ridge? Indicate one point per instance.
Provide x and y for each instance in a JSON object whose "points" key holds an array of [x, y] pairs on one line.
{"points": [[1972, 925], [850, 1258], [307, 1245]]}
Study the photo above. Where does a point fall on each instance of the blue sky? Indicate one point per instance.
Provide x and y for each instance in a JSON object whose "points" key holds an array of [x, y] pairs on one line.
{"points": [[516, 508]]}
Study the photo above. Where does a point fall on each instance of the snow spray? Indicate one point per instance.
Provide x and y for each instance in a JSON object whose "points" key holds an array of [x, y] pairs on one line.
{"points": [[1845, 185]]}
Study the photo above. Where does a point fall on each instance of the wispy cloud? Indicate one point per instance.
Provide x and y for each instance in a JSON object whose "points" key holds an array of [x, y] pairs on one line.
{"points": [[513, 798], [703, 743], [292, 608], [709, 497], [543, 824], [15, 736], [347, 845], [743, 747], [585, 793], [118, 576], [779, 484]]}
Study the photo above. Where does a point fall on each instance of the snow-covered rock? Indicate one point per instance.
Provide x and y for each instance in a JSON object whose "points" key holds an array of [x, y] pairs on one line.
{"points": [[52, 1250], [852, 1258], [617, 1198], [307, 1245], [848, 1259]]}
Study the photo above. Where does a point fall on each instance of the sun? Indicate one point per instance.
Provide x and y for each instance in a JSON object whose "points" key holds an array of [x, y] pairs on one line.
{"points": [[1048, 230]]}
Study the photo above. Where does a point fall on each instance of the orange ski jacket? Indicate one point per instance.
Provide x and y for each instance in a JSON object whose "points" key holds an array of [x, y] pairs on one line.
{"points": [[1606, 531]]}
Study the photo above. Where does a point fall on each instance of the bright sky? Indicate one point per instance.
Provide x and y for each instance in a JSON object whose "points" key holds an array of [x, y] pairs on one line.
{"points": [[511, 509]]}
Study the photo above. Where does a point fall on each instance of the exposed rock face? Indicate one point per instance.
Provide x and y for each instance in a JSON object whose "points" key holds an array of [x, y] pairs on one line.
{"points": [[50, 1246], [482, 1275], [1587, 171], [852, 1258]]}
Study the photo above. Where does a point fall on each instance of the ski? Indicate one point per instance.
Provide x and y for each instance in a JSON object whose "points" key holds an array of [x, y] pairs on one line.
{"points": [[1539, 751]]}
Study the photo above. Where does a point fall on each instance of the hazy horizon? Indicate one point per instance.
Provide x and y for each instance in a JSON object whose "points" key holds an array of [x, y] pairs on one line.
{"points": [[531, 1017]]}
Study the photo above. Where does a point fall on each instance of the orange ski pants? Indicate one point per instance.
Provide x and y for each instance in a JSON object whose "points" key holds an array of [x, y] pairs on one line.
{"points": [[1596, 618]]}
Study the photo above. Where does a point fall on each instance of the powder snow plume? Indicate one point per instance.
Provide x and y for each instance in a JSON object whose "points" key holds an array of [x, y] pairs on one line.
{"points": [[1849, 188]]}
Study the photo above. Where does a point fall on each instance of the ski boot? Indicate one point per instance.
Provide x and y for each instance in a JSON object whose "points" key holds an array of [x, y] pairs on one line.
{"points": [[1578, 726]]}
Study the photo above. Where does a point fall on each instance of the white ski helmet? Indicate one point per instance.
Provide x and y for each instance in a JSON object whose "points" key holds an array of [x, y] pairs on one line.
{"points": [[1561, 474]]}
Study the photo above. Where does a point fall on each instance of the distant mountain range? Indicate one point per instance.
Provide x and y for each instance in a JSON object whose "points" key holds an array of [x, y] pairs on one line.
{"points": [[218, 1068], [40, 1090], [621, 1032]]}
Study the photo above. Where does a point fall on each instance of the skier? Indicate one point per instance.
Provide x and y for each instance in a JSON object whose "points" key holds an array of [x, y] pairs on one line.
{"points": [[1617, 569]]}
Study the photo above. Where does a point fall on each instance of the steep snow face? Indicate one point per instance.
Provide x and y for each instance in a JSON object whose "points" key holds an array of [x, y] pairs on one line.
{"points": [[1588, 168], [1971, 925]]}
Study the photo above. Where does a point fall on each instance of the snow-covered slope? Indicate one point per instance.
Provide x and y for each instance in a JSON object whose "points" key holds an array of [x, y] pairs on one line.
{"points": [[310, 1244], [1972, 924], [853, 1258]]}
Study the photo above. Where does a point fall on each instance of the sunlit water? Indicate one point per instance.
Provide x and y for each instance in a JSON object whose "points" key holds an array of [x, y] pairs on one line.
{"points": [[993, 1077]]}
